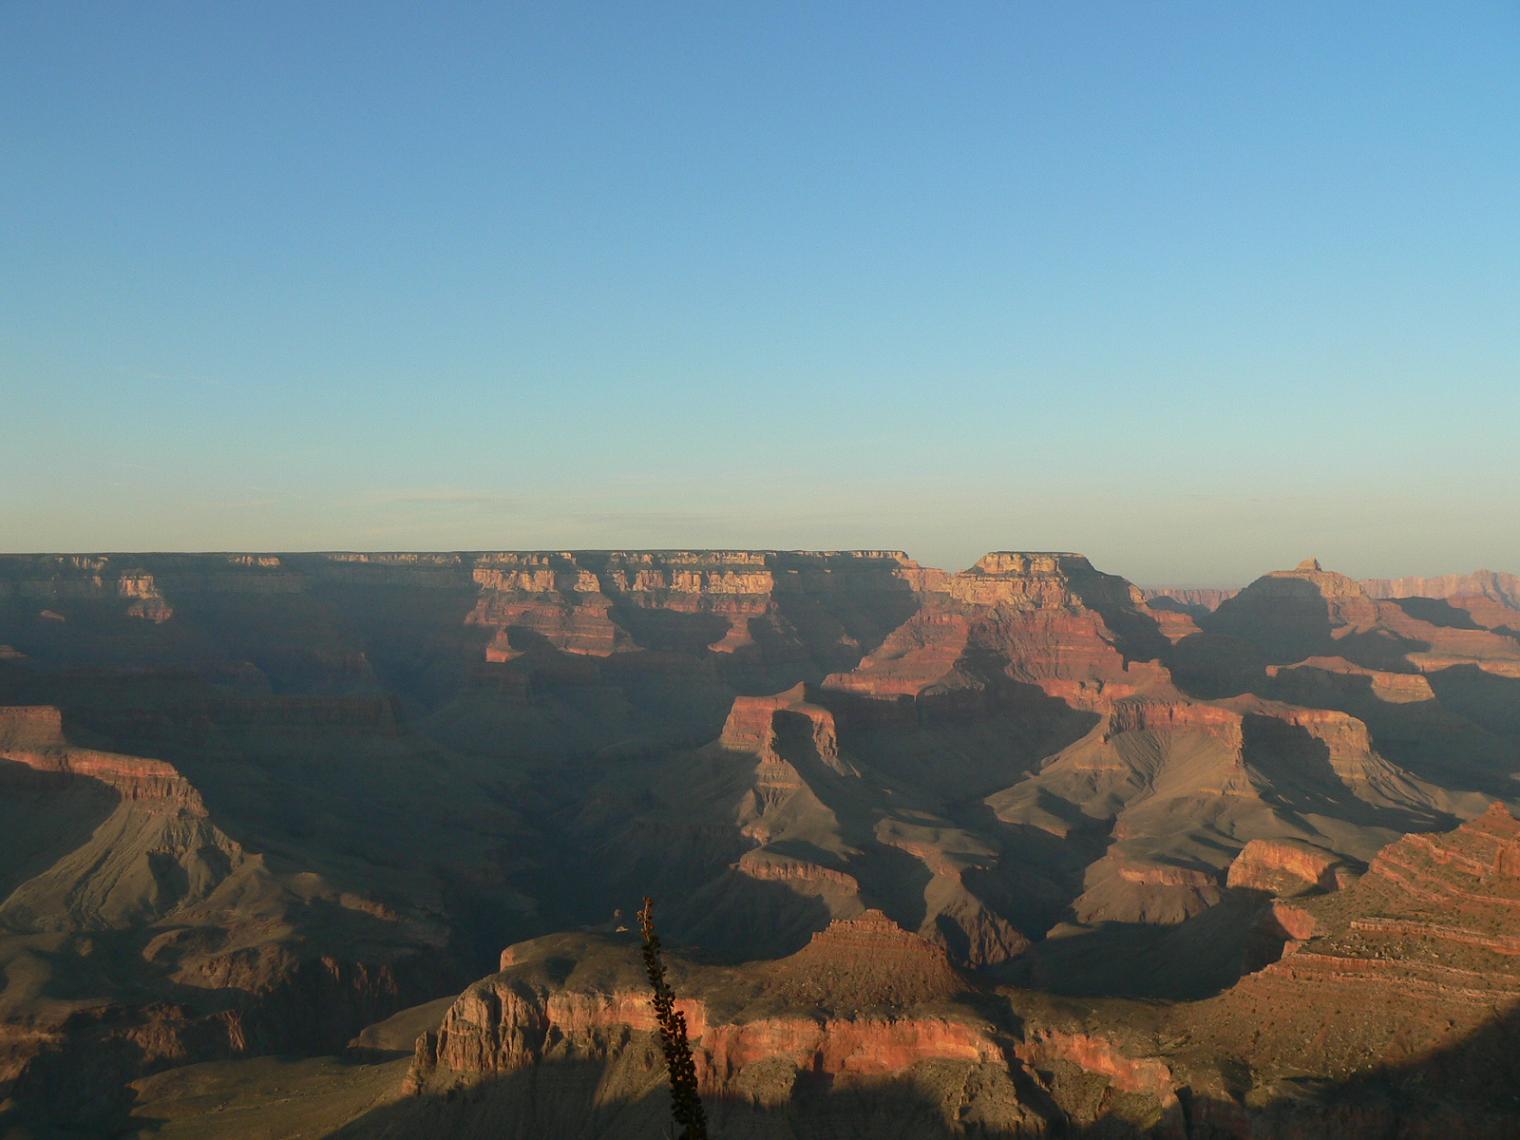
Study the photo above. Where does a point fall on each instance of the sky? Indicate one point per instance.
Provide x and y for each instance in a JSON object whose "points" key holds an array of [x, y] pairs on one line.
{"points": [[1196, 289]]}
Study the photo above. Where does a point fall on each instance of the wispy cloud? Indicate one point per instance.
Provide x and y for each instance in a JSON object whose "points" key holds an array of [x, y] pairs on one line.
{"points": [[246, 504], [649, 519], [448, 499]]}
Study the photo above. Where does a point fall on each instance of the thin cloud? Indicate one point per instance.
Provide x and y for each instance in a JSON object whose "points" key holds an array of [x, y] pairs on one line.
{"points": [[404, 500], [658, 519]]}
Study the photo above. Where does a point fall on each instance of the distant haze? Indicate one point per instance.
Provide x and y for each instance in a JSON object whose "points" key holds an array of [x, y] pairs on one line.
{"points": [[1198, 290]]}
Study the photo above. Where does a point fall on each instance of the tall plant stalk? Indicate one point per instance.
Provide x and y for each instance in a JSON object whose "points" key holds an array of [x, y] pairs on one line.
{"points": [[685, 1104]]}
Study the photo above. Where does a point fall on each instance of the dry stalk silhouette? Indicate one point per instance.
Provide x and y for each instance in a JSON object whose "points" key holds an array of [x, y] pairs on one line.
{"points": [[685, 1103]]}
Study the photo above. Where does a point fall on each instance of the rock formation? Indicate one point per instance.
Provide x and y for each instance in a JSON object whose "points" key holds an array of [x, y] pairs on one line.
{"points": [[865, 1004]]}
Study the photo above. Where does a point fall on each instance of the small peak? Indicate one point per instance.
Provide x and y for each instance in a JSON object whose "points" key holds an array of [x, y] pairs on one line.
{"points": [[866, 961], [1310, 564], [1498, 813]]}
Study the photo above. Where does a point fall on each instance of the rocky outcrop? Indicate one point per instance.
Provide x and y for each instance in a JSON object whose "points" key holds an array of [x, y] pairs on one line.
{"points": [[1133, 885], [548, 596], [752, 724], [1048, 620], [870, 1002], [1175, 715], [493, 1029], [1285, 867], [1475, 869], [1167, 875], [1039, 581], [918, 657], [147, 584], [1308, 614], [768, 867], [146, 601], [65, 578], [1493, 586], [1101, 1057]]}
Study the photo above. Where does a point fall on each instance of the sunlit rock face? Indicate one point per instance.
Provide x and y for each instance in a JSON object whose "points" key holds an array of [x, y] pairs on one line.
{"points": [[864, 1005], [1049, 620], [1283, 867], [600, 603]]}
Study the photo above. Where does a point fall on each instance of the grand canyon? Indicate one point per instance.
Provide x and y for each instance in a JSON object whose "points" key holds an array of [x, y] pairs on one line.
{"points": [[349, 844], [539, 577]]}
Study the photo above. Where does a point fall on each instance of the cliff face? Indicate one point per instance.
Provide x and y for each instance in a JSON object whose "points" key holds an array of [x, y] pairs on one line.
{"points": [[881, 1006], [1050, 620], [33, 736], [620, 601], [91, 579], [1039, 581], [1500, 588], [752, 725], [1284, 867]]}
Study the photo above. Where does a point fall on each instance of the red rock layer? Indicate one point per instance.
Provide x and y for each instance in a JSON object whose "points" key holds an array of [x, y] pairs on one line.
{"points": [[1156, 715], [1032, 618], [590, 602], [767, 866], [862, 978], [751, 725], [1039, 581], [1101, 1057], [33, 736], [548, 595], [497, 1027]]}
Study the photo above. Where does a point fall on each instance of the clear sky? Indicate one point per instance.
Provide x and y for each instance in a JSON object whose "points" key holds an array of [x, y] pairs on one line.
{"points": [[1197, 289]]}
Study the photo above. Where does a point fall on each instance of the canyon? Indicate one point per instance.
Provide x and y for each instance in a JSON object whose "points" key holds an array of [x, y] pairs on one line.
{"points": [[1021, 849]]}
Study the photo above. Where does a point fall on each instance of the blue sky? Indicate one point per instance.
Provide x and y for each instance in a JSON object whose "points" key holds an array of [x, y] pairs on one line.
{"points": [[1197, 289]]}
